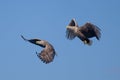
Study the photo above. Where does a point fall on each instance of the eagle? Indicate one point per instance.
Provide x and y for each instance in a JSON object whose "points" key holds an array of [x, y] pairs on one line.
{"points": [[84, 32], [47, 54]]}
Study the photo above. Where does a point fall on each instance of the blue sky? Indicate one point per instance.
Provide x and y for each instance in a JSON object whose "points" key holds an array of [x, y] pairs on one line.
{"points": [[47, 19]]}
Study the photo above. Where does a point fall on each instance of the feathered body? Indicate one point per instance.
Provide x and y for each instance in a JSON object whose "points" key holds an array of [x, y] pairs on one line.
{"points": [[84, 32], [47, 54]]}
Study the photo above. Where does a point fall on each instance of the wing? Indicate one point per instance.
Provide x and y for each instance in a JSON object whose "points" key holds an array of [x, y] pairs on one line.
{"points": [[73, 23], [90, 30], [69, 32], [24, 38], [47, 55], [34, 41]]}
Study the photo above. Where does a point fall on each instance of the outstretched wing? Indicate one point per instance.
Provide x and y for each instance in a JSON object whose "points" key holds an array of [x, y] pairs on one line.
{"points": [[90, 30], [73, 23], [34, 41], [47, 54], [69, 33]]}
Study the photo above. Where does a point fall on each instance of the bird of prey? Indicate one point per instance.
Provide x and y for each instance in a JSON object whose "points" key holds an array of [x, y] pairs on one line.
{"points": [[84, 32], [47, 54]]}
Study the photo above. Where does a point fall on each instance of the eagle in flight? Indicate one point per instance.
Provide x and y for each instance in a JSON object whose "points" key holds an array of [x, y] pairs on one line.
{"points": [[84, 32], [47, 54]]}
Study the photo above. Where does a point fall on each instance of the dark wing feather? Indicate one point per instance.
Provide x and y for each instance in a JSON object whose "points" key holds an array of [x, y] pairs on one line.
{"points": [[24, 38], [33, 41], [73, 23], [47, 55], [90, 30]]}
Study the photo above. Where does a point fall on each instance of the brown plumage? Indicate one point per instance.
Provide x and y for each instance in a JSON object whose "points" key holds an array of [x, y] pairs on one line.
{"points": [[47, 54], [84, 32]]}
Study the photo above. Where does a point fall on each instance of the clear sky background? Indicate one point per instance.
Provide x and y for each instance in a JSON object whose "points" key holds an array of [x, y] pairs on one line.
{"points": [[47, 20]]}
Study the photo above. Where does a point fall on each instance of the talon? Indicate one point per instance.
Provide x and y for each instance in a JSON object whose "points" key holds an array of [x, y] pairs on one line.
{"points": [[85, 42]]}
